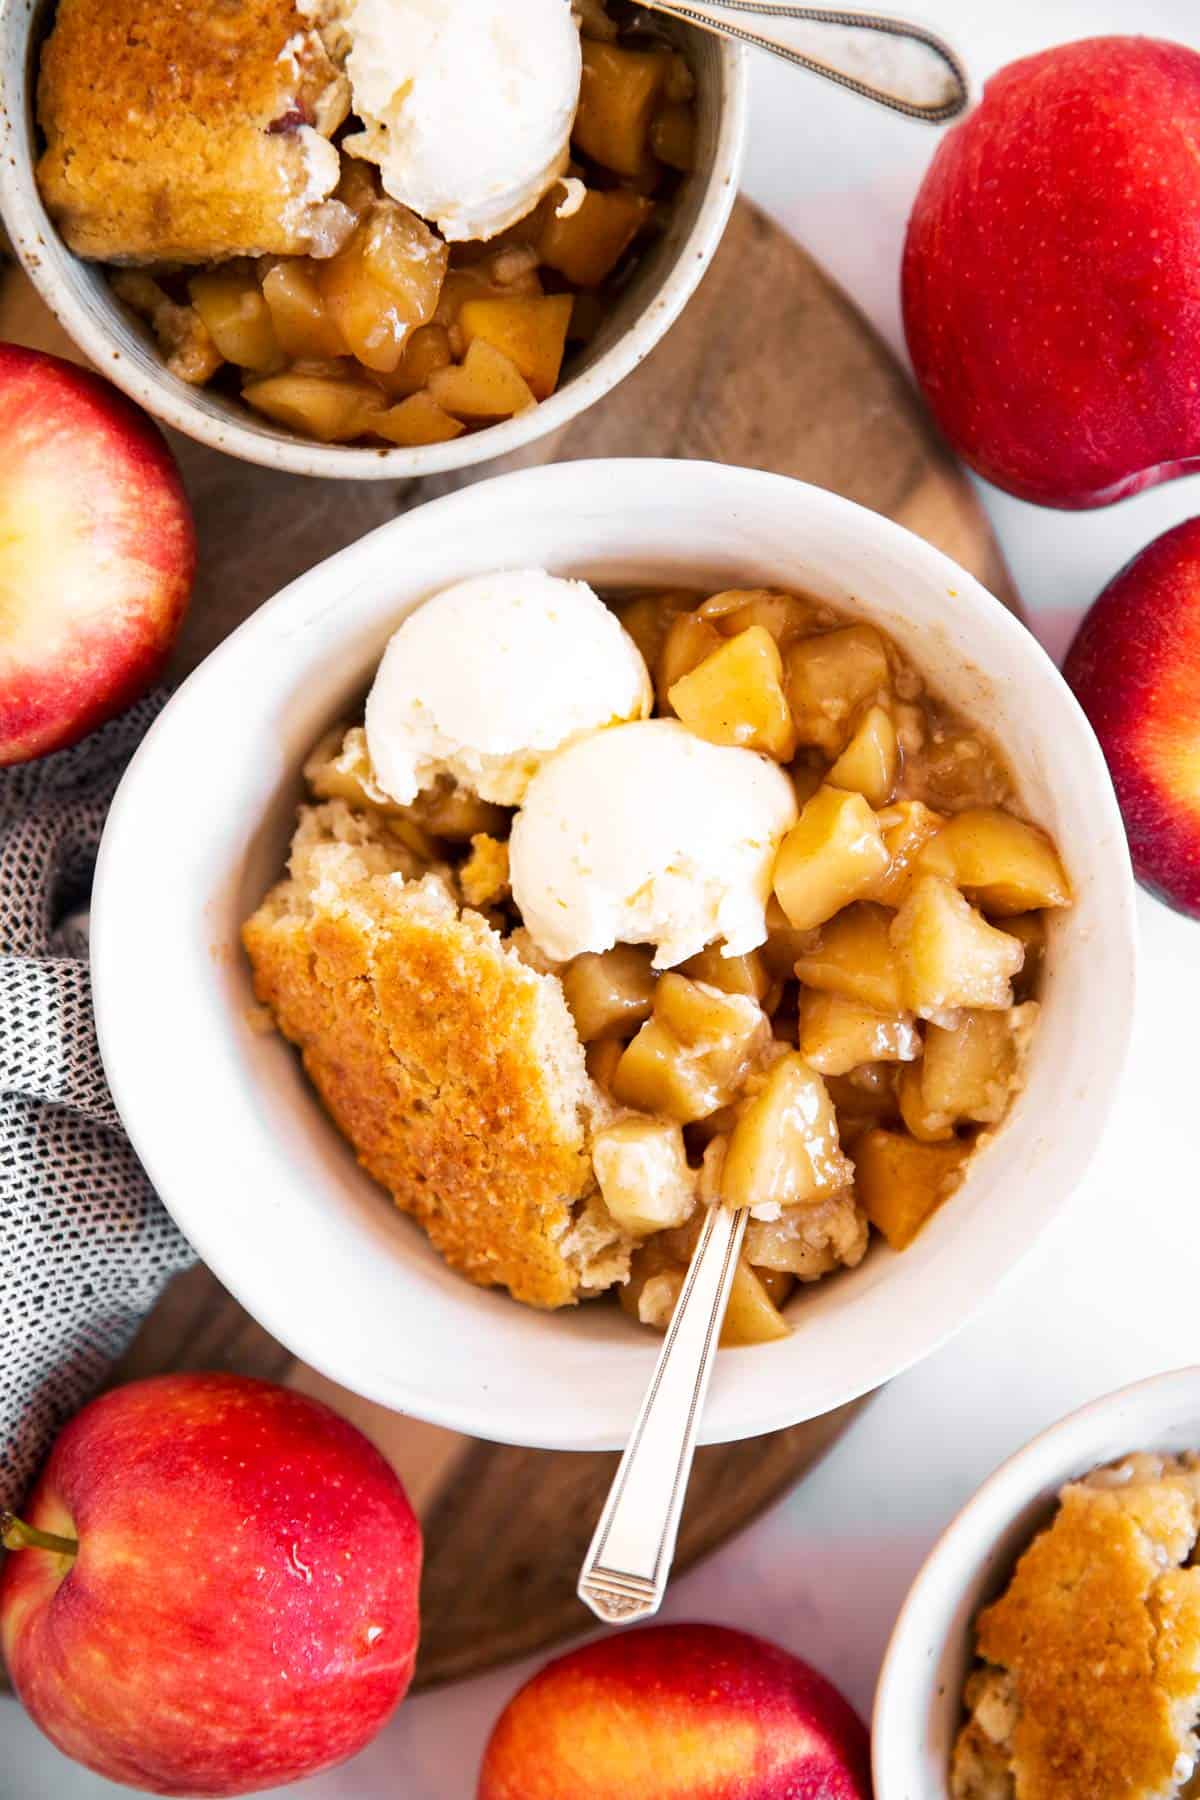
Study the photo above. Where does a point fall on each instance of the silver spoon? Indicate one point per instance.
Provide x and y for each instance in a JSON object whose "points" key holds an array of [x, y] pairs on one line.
{"points": [[628, 1564], [925, 79]]}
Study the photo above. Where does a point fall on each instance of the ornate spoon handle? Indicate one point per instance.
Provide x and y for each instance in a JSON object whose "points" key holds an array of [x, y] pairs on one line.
{"points": [[854, 62], [625, 1572]]}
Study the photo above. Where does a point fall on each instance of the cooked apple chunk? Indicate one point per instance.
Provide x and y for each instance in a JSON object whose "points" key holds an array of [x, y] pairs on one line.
{"points": [[830, 679], [907, 827], [688, 641], [610, 994], [586, 245], [785, 616], [837, 1035], [918, 1116], [785, 1149], [751, 1316], [900, 1183], [331, 410], [384, 283], [425, 352], [302, 325], [618, 95], [692, 1055], [673, 136], [644, 1176], [870, 762], [735, 696], [950, 956], [746, 974], [237, 318], [531, 331], [854, 955], [971, 1070], [415, 421], [1004, 865], [832, 856], [486, 385]]}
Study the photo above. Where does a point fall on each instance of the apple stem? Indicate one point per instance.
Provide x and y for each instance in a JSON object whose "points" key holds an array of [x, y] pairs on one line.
{"points": [[16, 1535]]}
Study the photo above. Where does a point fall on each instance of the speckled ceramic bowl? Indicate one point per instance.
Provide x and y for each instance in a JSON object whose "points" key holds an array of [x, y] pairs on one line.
{"points": [[78, 293]]}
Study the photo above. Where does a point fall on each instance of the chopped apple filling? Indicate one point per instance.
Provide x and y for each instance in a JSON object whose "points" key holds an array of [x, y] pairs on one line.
{"points": [[870, 763], [618, 97], [746, 974], [610, 994], [837, 1035], [854, 955], [585, 246], [694, 1053], [785, 1148], [970, 1070], [752, 1316], [832, 856], [785, 616], [950, 956], [644, 1176], [735, 696], [830, 680], [1002, 864], [907, 827], [689, 640], [900, 1183]]}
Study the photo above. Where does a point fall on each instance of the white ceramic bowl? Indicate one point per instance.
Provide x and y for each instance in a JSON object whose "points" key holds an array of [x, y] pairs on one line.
{"points": [[232, 1135], [918, 1704], [78, 294]]}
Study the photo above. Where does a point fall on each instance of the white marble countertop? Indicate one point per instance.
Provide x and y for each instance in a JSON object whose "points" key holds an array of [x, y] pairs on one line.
{"points": [[1109, 1295]]}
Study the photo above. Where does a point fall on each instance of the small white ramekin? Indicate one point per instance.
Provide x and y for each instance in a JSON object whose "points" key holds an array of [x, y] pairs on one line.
{"points": [[231, 1132], [918, 1703], [78, 294]]}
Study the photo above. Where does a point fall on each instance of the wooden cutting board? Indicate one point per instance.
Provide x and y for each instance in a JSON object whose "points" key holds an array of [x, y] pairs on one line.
{"points": [[770, 367]]}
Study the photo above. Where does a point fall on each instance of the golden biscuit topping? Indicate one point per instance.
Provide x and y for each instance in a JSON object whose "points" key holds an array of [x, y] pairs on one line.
{"points": [[1092, 1655]]}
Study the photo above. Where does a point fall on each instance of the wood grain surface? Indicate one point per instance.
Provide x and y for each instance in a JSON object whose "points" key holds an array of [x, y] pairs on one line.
{"points": [[773, 368]]}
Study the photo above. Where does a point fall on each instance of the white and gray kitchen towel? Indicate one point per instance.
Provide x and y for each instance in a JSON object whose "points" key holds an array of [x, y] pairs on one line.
{"points": [[85, 1245]]}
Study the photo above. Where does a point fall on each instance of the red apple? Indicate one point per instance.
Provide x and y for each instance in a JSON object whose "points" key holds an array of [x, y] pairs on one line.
{"points": [[677, 1712], [1135, 668], [240, 1609], [97, 553], [1051, 281]]}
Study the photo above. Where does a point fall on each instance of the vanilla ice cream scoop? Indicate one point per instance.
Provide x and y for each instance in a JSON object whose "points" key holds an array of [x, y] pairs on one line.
{"points": [[647, 834], [467, 105], [491, 676]]}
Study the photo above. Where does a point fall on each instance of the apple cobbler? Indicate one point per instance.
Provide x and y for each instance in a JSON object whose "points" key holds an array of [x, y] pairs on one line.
{"points": [[224, 168], [1088, 1679], [558, 1117]]}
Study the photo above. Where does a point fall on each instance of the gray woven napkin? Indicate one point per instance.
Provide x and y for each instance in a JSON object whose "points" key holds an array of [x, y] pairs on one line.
{"points": [[85, 1246]]}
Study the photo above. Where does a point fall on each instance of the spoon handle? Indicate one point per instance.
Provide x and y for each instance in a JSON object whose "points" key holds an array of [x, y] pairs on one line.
{"points": [[855, 65], [625, 1572]]}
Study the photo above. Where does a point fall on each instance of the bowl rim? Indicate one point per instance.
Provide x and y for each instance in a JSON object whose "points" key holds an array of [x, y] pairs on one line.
{"points": [[534, 491], [1068, 1446], [42, 252]]}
